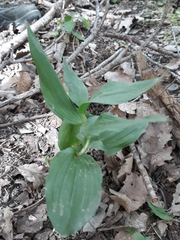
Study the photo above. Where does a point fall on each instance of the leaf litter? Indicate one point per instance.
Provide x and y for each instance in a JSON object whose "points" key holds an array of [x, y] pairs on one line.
{"points": [[24, 148]]}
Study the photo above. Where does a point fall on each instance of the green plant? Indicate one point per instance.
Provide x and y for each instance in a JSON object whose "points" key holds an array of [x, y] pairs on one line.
{"points": [[161, 3], [174, 17], [113, 1], [70, 22], [158, 211], [136, 235], [73, 185], [139, 236]]}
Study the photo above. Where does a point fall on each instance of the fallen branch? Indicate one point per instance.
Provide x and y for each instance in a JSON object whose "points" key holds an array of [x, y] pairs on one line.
{"points": [[22, 37], [24, 95], [144, 174], [26, 120], [103, 67], [140, 43], [103, 64]]}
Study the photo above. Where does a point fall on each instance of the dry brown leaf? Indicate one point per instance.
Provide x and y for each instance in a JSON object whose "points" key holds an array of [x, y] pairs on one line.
{"points": [[93, 89], [112, 162], [23, 199], [124, 201], [125, 169], [112, 209], [96, 220], [135, 189], [55, 121], [129, 107], [52, 139], [128, 69], [160, 95], [31, 141], [162, 227], [153, 144], [117, 76], [175, 208], [173, 174], [122, 235], [110, 221], [33, 173], [126, 23], [116, 111], [6, 223], [173, 64], [32, 222], [22, 82], [136, 220], [3, 182], [133, 194]]}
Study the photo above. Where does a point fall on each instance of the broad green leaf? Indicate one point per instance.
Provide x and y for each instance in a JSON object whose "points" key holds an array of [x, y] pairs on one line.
{"points": [[110, 133], [69, 26], [53, 33], [78, 35], [76, 88], [83, 108], [139, 236], [60, 22], [67, 135], [86, 23], [72, 190], [158, 211], [130, 230], [120, 92], [109, 122], [51, 87], [68, 18]]}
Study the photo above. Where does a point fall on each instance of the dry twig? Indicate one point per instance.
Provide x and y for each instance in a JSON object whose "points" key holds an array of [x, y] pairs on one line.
{"points": [[141, 43], [144, 174], [24, 95], [107, 65], [26, 120], [22, 37]]}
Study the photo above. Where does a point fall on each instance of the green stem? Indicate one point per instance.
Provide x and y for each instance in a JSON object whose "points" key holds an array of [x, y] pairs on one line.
{"points": [[84, 149], [84, 120]]}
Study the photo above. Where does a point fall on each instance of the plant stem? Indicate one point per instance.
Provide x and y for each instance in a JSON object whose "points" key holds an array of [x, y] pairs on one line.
{"points": [[83, 150]]}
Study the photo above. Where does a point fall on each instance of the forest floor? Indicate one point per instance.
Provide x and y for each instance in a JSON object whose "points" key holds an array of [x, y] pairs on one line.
{"points": [[133, 40]]}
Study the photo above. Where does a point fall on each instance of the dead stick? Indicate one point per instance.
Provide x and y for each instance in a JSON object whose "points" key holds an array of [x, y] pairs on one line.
{"points": [[29, 93], [141, 43], [26, 120], [22, 37], [144, 174]]}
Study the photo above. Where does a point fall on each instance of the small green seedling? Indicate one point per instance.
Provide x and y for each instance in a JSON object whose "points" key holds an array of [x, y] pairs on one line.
{"points": [[136, 236], [158, 211], [130, 230], [73, 186], [161, 3], [113, 1], [139, 236], [70, 22], [174, 17]]}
